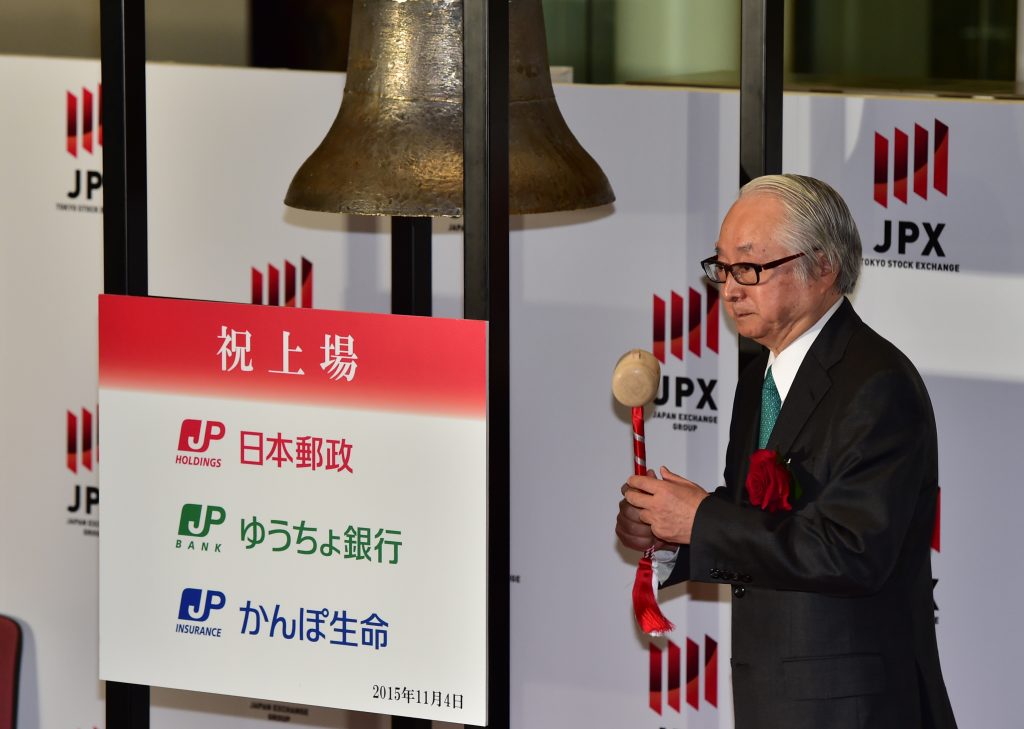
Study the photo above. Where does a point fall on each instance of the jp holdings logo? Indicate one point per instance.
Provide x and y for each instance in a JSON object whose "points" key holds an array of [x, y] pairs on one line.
{"points": [[196, 606], [81, 454], [196, 436], [292, 285], [195, 523], [897, 175], [670, 662], [685, 328], [84, 114]]}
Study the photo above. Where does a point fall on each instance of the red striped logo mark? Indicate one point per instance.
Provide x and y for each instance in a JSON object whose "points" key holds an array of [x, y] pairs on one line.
{"points": [[291, 285], [700, 319], [85, 133], [901, 164], [936, 533], [82, 443], [673, 689]]}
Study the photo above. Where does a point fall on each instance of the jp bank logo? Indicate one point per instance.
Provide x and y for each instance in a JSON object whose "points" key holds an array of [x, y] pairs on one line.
{"points": [[692, 320], [195, 437], [670, 662], [196, 604], [293, 286], [82, 111], [197, 519], [930, 163], [194, 525]]}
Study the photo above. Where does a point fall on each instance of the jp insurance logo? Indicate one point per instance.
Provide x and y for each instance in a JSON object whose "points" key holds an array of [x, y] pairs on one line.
{"points": [[195, 609]]}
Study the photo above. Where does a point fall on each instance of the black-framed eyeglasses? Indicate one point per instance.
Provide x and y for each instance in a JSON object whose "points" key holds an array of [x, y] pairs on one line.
{"points": [[747, 274]]}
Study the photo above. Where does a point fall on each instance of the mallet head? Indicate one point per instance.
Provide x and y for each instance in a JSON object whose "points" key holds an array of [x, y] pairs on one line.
{"points": [[636, 378]]}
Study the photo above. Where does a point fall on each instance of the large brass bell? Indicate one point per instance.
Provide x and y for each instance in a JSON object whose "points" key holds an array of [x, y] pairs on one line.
{"points": [[395, 147]]}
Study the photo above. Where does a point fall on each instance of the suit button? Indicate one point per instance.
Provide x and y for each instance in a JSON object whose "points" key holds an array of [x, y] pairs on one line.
{"points": [[739, 591], [715, 572]]}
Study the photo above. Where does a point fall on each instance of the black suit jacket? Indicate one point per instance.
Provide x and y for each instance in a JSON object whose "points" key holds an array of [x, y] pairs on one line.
{"points": [[832, 611]]}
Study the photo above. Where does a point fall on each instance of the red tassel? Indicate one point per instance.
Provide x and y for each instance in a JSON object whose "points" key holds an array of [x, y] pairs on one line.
{"points": [[645, 605]]}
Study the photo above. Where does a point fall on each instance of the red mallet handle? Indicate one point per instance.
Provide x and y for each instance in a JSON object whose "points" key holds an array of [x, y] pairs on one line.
{"points": [[635, 384], [639, 445]]}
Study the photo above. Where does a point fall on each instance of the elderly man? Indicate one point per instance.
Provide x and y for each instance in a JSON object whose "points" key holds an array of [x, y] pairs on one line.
{"points": [[823, 525]]}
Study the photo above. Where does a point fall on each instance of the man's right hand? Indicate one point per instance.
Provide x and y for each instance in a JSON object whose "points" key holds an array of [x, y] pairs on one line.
{"points": [[633, 533]]}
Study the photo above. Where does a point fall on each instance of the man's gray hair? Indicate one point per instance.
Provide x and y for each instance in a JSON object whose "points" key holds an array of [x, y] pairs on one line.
{"points": [[819, 220]]}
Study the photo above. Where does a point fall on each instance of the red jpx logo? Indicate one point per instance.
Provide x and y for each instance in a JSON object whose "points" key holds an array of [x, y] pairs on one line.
{"points": [[291, 285], [195, 437], [673, 689], [82, 447], [938, 147], [87, 109], [701, 316]]}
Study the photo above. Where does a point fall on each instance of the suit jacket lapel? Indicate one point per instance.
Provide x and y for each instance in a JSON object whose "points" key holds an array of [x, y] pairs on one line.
{"points": [[812, 380]]}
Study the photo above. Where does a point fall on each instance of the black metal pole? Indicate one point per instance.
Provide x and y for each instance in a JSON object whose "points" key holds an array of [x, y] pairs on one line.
{"points": [[125, 261], [486, 268], [411, 293], [761, 89], [761, 47], [123, 34], [411, 261]]}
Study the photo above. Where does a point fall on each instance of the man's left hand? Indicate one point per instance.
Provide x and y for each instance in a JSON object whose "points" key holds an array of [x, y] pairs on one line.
{"points": [[667, 505]]}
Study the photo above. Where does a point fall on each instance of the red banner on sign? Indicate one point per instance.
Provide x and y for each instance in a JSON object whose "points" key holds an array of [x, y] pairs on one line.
{"points": [[330, 358]]}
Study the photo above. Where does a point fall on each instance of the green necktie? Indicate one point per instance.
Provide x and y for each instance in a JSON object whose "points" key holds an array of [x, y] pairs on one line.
{"points": [[771, 404]]}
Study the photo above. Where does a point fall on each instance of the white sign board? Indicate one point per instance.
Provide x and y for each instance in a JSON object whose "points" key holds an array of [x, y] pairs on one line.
{"points": [[294, 505]]}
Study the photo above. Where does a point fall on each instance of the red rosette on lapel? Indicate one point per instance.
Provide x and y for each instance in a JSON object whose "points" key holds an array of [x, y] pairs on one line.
{"points": [[769, 482]]}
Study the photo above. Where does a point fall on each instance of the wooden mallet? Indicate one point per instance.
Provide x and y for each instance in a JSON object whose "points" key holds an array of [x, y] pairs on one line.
{"points": [[635, 382]]}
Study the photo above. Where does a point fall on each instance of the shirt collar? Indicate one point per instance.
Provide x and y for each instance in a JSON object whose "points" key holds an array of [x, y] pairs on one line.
{"points": [[787, 363]]}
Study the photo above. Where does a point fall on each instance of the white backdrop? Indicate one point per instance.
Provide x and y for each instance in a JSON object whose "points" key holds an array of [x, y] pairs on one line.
{"points": [[223, 144], [962, 330]]}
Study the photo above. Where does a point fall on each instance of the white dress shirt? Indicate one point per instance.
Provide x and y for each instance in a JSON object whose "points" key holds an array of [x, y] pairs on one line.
{"points": [[786, 364]]}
